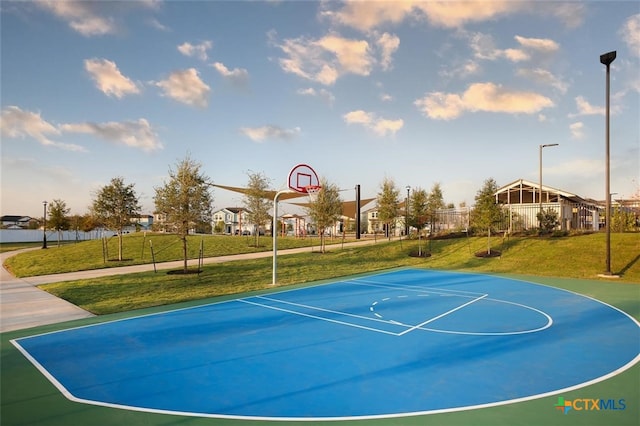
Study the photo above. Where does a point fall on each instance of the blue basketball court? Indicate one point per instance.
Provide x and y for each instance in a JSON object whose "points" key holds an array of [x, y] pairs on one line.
{"points": [[400, 343]]}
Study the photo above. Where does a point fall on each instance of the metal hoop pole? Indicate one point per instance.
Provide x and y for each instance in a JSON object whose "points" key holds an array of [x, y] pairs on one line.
{"points": [[274, 234]]}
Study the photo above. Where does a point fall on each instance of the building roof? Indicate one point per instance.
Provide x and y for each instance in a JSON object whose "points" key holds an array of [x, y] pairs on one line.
{"points": [[14, 218], [522, 191]]}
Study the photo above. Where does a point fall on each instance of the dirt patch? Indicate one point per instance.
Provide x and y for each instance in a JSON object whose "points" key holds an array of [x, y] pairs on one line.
{"points": [[415, 253], [487, 254], [183, 272]]}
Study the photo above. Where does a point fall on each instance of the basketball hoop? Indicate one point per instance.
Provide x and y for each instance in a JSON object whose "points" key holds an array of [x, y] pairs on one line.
{"points": [[312, 192]]}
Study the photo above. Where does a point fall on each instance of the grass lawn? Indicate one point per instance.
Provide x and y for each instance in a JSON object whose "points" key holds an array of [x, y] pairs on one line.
{"points": [[570, 257], [137, 249], [29, 398]]}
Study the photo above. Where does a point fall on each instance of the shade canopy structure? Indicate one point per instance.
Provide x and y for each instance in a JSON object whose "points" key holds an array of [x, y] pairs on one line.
{"points": [[348, 207], [267, 194]]}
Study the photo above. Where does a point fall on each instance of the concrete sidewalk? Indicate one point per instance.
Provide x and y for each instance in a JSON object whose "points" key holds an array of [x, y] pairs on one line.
{"points": [[24, 305]]}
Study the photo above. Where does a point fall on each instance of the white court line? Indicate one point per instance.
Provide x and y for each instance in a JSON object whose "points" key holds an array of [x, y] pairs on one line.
{"points": [[442, 315], [316, 308], [447, 292], [321, 318]]}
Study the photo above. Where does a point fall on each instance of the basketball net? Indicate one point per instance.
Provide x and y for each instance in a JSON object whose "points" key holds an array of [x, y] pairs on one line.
{"points": [[312, 192]]}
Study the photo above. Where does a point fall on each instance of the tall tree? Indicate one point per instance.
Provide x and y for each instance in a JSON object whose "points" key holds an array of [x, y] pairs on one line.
{"points": [[326, 209], [257, 202], [418, 213], [387, 200], [185, 200], [435, 202], [58, 217], [486, 213], [114, 206]]}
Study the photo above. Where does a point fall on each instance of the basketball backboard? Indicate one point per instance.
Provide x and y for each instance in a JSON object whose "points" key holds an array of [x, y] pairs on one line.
{"points": [[301, 177]]}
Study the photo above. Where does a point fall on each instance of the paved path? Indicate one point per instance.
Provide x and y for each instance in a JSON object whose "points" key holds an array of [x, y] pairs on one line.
{"points": [[24, 305]]}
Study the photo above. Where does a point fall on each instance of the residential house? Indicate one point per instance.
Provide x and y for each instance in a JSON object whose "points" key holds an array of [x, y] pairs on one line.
{"points": [[17, 222], [234, 220], [143, 222]]}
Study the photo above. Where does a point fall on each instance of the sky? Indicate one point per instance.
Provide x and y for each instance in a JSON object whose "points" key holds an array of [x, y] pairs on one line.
{"points": [[419, 92]]}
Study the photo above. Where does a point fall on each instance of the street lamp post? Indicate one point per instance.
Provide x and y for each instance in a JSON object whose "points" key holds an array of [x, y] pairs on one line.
{"points": [[606, 59], [406, 213], [44, 226], [540, 188]]}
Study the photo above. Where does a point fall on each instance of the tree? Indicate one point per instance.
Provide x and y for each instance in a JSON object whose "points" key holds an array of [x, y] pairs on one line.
{"points": [[435, 202], [548, 220], [326, 209], [418, 213], [387, 200], [486, 212], [58, 217], [185, 200], [114, 206], [257, 202]]}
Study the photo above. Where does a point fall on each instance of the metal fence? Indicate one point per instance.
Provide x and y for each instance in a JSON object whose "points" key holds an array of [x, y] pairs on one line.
{"points": [[571, 216]]}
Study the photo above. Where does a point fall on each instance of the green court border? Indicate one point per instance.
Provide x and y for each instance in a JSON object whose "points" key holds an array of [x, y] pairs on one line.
{"points": [[27, 397]]}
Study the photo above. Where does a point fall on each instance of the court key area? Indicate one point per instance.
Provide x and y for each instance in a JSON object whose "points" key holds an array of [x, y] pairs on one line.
{"points": [[404, 342]]}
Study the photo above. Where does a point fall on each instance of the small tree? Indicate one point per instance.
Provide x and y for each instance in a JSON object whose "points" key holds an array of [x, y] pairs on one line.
{"points": [[622, 220], [418, 213], [185, 200], [486, 212], [114, 206], [58, 217], [388, 199], [435, 202], [326, 209], [548, 220], [257, 202]]}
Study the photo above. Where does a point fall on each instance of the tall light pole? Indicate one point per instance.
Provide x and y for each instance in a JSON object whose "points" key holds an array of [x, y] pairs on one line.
{"points": [[606, 59], [540, 188], [406, 214], [44, 226]]}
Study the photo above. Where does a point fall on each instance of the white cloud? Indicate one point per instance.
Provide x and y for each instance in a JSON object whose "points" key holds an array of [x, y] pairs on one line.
{"points": [[366, 16], [186, 86], [135, 134], [545, 77], [108, 78], [324, 94], [630, 34], [380, 126], [154, 23], [577, 130], [330, 57], [487, 97], [585, 108], [484, 47], [358, 117], [388, 44], [538, 44], [81, 16], [238, 76], [259, 134], [93, 18], [196, 50], [467, 69], [16, 123], [352, 56]]}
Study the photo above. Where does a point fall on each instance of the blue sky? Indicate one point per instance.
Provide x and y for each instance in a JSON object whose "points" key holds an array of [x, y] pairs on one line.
{"points": [[419, 92]]}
